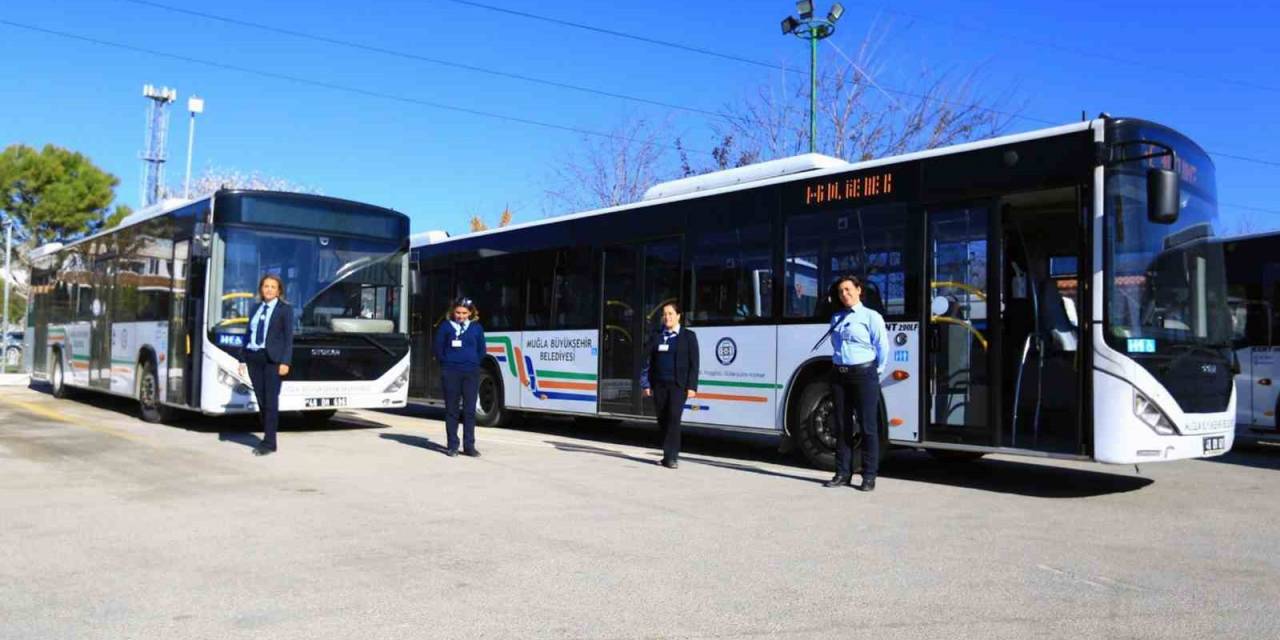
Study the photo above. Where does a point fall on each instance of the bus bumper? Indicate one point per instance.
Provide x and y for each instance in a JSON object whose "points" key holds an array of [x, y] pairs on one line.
{"points": [[1121, 437]]}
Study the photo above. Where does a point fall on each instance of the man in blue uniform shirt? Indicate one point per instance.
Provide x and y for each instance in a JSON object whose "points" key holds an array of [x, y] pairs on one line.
{"points": [[860, 344]]}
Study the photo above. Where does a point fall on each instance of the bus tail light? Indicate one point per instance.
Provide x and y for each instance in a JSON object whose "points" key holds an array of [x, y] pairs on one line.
{"points": [[900, 375], [1151, 415]]}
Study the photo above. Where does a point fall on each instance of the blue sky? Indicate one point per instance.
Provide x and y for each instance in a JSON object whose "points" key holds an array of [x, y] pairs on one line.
{"points": [[1206, 71]]}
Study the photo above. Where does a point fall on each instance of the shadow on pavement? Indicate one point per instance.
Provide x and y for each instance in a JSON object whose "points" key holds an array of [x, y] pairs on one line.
{"points": [[222, 425], [1249, 454], [1004, 476], [415, 441], [572, 447]]}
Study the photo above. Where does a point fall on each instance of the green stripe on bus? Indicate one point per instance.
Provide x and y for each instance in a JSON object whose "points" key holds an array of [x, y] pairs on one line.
{"points": [[511, 356], [744, 385], [80, 358], [566, 375]]}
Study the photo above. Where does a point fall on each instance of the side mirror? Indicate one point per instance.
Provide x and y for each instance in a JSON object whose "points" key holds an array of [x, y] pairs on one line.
{"points": [[1163, 196]]}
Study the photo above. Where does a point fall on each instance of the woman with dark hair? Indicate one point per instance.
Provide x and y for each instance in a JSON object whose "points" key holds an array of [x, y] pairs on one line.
{"points": [[459, 347], [670, 377], [267, 356], [860, 343]]}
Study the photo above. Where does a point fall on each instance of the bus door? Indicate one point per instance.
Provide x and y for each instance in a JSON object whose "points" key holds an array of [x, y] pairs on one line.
{"points": [[637, 280], [960, 358], [100, 325], [1041, 361], [432, 294]]}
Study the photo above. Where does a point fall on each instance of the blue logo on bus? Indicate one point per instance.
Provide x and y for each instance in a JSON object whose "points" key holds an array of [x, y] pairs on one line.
{"points": [[726, 351], [901, 355]]}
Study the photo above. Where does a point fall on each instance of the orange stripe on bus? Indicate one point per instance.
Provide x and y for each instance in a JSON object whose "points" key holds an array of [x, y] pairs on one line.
{"points": [[721, 396], [524, 378], [495, 350], [580, 386]]}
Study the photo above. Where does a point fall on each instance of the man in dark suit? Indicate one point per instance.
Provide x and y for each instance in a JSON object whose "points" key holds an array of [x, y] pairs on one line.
{"points": [[670, 377], [267, 356]]}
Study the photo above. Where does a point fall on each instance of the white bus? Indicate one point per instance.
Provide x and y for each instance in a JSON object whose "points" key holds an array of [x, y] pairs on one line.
{"points": [[157, 308], [1054, 293], [1253, 289]]}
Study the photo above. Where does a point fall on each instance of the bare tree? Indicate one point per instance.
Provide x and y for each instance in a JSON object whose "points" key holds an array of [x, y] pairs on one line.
{"points": [[478, 223], [215, 178], [859, 117], [613, 170]]}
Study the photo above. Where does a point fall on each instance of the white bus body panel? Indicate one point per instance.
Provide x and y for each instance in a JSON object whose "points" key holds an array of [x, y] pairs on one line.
{"points": [[128, 339], [551, 370], [1256, 413], [217, 397], [738, 380]]}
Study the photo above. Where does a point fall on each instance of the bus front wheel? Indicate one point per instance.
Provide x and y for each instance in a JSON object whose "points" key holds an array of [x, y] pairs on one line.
{"points": [[489, 406], [815, 428], [149, 406], [57, 378]]}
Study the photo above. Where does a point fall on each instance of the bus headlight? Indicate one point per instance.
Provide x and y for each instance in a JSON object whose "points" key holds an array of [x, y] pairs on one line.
{"points": [[398, 383], [231, 380], [1151, 415]]}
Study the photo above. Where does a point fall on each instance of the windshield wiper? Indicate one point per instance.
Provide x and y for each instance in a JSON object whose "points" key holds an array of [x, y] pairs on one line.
{"points": [[375, 343]]}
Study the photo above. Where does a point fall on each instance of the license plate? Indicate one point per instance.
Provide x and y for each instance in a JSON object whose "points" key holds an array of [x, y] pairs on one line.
{"points": [[325, 403], [1214, 444]]}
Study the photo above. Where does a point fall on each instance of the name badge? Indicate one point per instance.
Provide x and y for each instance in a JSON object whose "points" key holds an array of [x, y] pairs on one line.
{"points": [[664, 347], [456, 343]]}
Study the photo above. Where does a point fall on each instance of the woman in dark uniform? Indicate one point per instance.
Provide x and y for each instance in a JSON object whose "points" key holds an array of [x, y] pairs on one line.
{"points": [[266, 357], [860, 343], [459, 347], [670, 377]]}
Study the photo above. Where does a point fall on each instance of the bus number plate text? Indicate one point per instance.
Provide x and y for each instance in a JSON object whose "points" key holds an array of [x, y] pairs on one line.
{"points": [[325, 403], [1214, 444]]}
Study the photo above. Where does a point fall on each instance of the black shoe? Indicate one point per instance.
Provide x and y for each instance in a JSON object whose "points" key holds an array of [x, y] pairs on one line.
{"points": [[452, 453], [868, 484], [670, 464], [472, 453], [838, 481], [262, 451]]}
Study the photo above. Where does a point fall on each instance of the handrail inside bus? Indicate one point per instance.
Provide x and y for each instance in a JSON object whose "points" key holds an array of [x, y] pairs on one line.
{"points": [[981, 295], [961, 323]]}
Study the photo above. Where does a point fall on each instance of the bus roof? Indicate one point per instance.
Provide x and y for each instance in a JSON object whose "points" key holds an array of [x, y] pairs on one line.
{"points": [[419, 240]]}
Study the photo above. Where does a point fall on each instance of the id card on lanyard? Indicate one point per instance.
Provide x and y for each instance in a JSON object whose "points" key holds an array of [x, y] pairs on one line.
{"points": [[456, 343], [664, 347]]}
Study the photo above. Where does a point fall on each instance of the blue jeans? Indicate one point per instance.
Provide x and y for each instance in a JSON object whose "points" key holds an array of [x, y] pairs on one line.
{"points": [[460, 386]]}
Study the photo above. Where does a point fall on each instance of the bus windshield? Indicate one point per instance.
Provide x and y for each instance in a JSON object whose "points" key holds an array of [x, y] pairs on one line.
{"points": [[1166, 287], [336, 284]]}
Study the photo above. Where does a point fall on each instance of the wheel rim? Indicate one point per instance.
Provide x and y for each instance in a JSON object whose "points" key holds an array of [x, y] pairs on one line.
{"points": [[823, 424], [487, 397], [147, 395]]}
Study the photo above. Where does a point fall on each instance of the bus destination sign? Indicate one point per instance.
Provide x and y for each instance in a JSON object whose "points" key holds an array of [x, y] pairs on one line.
{"points": [[851, 188]]}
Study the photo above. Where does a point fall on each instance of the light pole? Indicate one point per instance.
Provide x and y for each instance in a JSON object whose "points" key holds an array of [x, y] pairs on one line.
{"points": [[195, 105], [8, 275], [813, 29]]}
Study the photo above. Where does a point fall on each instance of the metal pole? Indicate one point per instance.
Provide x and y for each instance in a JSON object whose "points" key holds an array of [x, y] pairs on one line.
{"points": [[813, 90], [8, 275], [191, 141]]}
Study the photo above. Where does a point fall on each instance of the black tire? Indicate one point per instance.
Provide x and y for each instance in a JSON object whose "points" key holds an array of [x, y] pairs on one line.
{"points": [[813, 428], [57, 377], [950, 456], [149, 407], [490, 408]]}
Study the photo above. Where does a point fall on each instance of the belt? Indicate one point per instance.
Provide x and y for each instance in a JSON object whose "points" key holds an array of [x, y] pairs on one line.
{"points": [[855, 368]]}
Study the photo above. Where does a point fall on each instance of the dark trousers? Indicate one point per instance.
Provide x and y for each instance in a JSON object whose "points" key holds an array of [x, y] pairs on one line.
{"points": [[265, 376], [460, 386], [857, 392], [668, 403]]}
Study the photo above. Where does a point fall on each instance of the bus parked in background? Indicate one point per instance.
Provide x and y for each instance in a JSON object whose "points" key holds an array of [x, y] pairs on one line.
{"points": [[1253, 290], [1053, 293], [157, 308]]}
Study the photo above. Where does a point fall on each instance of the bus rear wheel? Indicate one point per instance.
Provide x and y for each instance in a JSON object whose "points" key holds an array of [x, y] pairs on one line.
{"points": [[489, 406]]}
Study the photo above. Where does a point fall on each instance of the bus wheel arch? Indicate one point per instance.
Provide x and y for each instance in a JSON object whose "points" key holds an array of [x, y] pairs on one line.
{"points": [[490, 395]]}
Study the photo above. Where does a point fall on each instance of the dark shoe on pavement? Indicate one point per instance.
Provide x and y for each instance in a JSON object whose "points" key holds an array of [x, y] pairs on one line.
{"points": [[868, 484], [262, 451], [670, 464], [472, 453], [838, 481], [452, 453]]}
